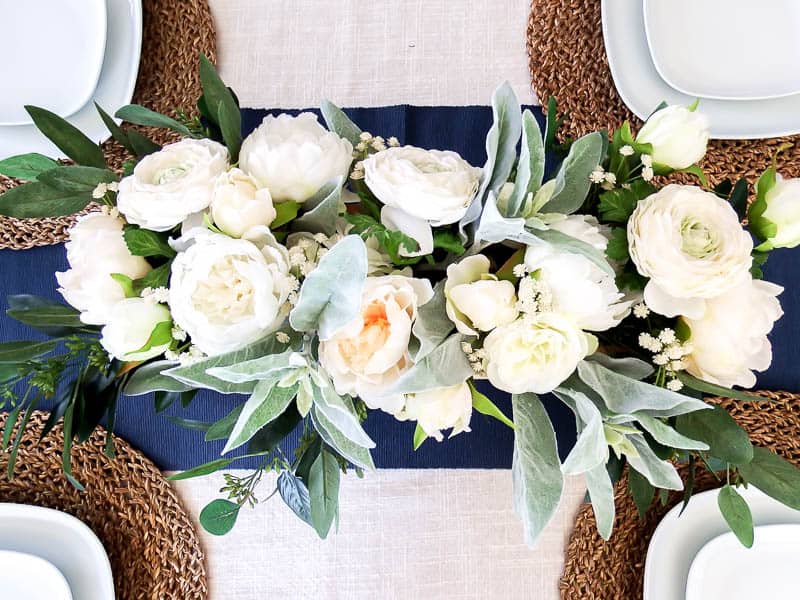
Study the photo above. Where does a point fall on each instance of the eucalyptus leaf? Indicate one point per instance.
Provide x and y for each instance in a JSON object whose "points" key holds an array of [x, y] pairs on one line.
{"points": [[340, 123], [120, 136], [150, 378], [230, 123], [530, 169], [295, 494], [19, 352], [38, 200], [68, 138], [26, 166], [48, 316], [419, 436], [72, 178], [713, 389], [717, 428], [572, 180], [267, 402], [432, 325], [485, 406], [601, 492], [322, 217], [225, 110], [219, 516], [221, 429], [737, 515], [358, 455], [323, 488], [202, 470], [269, 437], [773, 475], [269, 366], [139, 115], [660, 473], [445, 366]]}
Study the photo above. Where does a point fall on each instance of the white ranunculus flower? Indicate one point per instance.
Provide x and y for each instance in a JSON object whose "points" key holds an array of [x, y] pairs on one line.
{"points": [[585, 228], [129, 328], [577, 288], [171, 184], [476, 300], [370, 353], [238, 204], [535, 354], [294, 156], [227, 293], [783, 209], [678, 135], [690, 244], [730, 341], [95, 250], [442, 408]]}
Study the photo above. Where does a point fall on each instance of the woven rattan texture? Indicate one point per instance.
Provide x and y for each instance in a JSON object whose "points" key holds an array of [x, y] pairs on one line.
{"points": [[174, 34], [613, 570], [568, 61], [153, 547]]}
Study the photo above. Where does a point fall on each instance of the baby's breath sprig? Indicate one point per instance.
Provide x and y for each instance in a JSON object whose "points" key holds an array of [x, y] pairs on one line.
{"points": [[668, 355]]}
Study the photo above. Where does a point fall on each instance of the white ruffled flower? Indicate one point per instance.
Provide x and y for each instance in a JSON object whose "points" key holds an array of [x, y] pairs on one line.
{"points": [[678, 135], [227, 293], [730, 340], [171, 184], [129, 328], [476, 300], [690, 244], [585, 228], [783, 210], [294, 156], [238, 204], [369, 354], [96, 250], [442, 408]]}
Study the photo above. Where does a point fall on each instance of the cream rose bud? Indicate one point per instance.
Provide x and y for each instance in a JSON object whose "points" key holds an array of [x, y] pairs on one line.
{"points": [[443, 408], [227, 293], [535, 354], [237, 204], [475, 300], [370, 353], [294, 156], [95, 250], [129, 328], [171, 184], [678, 135], [690, 244], [730, 341], [783, 210]]}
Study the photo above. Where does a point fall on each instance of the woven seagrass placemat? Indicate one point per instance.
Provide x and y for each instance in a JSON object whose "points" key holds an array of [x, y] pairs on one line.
{"points": [[153, 547], [613, 570], [568, 60], [174, 35]]}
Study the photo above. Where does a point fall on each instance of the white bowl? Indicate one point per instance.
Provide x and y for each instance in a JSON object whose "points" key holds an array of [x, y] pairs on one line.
{"points": [[28, 577]]}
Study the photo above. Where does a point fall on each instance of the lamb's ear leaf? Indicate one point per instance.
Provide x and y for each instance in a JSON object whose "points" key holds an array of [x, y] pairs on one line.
{"points": [[339, 123]]}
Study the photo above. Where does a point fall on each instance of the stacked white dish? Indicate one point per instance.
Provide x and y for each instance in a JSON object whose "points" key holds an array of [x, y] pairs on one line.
{"points": [[65, 56], [740, 58]]}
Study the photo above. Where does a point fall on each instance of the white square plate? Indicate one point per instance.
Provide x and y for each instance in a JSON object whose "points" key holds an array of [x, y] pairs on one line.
{"points": [[28, 577], [726, 49], [62, 540], [52, 54], [726, 570]]}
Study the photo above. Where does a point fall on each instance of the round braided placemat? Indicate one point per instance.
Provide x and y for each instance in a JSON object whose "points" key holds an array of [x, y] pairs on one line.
{"points": [[599, 570], [153, 547], [174, 35], [568, 60]]}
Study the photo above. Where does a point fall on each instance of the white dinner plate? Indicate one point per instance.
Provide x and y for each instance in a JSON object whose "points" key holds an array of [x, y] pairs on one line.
{"points": [[53, 51], [726, 49], [642, 89], [769, 567], [62, 540], [677, 540], [28, 577], [114, 86]]}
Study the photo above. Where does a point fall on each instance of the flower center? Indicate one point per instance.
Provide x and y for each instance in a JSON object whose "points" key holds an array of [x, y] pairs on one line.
{"points": [[225, 296], [359, 350], [697, 240], [170, 174]]}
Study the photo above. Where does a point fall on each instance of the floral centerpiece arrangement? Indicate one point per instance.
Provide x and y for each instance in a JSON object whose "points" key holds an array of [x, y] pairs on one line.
{"points": [[325, 273]]}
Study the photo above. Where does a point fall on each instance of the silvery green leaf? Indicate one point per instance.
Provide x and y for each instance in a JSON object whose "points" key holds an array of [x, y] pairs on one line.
{"points": [[267, 403], [624, 395], [264, 367], [660, 473], [629, 366], [566, 243], [601, 492], [495, 228], [331, 294], [358, 455], [323, 209], [664, 434], [305, 397], [530, 169], [444, 366], [340, 123], [536, 469], [150, 378], [591, 449], [196, 376], [333, 407], [295, 494], [432, 325], [572, 180]]}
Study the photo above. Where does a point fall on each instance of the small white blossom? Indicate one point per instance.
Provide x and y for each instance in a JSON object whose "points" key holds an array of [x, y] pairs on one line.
{"points": [[640, 311], [320, 238], [611, 178], [598, 175], [466, 348], [361, 146], [282, 337], [667, 336], [159, 295], [393, 142], [647, 160], [178, 334], [626, 150], [171, 355], [113, 186], [660, 359], [647, 173], [677, 365], [365, 136], [520, 270], [675, 385], [99, 191], [648, 342]]}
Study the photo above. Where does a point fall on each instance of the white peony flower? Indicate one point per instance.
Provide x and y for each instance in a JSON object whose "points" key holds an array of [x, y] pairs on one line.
{"points": [[678, 135], [443, 408], [227, 293], [585, 228], [783, 210], [237, 204], [95, 250], [294, 156], [129, 328], [690, 244], [577, 288], [476, 300], [730, 340], [535, 354], [369, 354], [171, 184]]}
